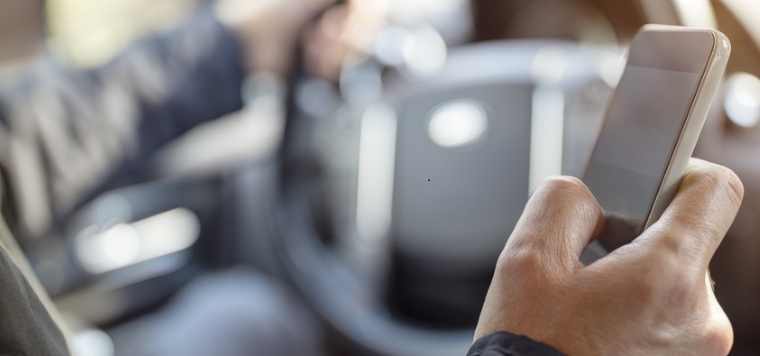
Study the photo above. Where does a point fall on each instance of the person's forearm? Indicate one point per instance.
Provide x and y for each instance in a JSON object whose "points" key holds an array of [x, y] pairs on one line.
{"points": [[66, 129], [177, 80]]}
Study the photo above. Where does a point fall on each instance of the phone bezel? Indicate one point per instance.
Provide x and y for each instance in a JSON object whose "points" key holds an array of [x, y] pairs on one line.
{"points": [[653, 213]]}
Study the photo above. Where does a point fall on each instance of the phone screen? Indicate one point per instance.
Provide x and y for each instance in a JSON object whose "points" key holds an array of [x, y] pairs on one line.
{"points": [[642, 127]]}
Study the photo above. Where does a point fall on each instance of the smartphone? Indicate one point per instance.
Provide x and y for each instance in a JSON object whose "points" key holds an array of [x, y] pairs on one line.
{"points": [[652, 125]]}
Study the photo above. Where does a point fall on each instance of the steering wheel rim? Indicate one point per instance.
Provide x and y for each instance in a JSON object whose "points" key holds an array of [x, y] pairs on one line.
{"points": [[304, 264]]}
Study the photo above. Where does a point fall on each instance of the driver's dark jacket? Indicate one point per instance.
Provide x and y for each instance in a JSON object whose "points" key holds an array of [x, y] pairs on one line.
{"points": [[63, 131]]}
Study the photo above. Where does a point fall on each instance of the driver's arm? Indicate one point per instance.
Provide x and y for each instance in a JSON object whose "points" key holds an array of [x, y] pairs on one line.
{"points": [[651, 297], [64, 130]]}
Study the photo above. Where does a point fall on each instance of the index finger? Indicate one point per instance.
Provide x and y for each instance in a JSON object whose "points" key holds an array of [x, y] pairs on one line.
{"points": [[700, 215], [560, 219]]}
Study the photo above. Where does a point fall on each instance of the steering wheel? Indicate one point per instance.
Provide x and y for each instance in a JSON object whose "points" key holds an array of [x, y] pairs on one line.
{"points": [[396, 158], [354, 303]]}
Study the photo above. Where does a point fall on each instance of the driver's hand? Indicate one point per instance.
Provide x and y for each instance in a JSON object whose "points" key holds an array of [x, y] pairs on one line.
{"points": [[650, 297], [268, 29]]}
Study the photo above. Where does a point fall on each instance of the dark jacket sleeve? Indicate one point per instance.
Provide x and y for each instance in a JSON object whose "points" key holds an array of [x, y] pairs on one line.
{"points": [[28, 321], [64, 130], [507, 344]]}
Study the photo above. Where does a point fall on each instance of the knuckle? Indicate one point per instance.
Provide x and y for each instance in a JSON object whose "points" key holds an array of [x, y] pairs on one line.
{"points": [[568, 188], [678, 233], [522, 261], [735, 186], [564, 184], [720, 338], [721, 179], [670, 244], [671, 262]]}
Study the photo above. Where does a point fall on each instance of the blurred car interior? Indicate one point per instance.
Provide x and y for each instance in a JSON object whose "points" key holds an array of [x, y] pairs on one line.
{"points": [[361, 214]]}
